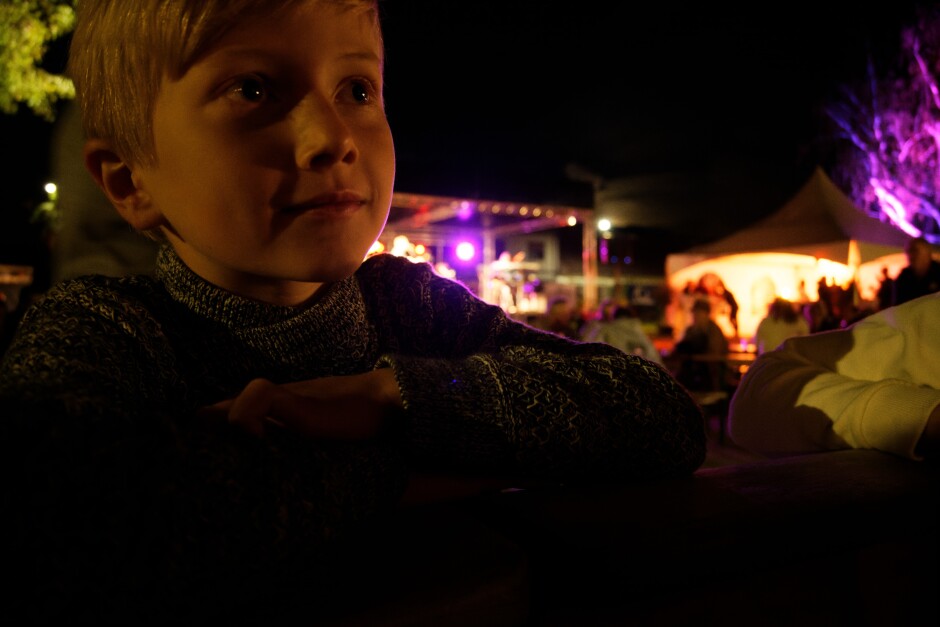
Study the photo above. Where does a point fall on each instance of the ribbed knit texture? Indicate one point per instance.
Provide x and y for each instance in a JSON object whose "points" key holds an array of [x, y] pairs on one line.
{"points": [[123, 495]]}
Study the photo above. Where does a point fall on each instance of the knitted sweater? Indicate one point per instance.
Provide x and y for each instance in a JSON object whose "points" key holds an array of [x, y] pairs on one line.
{"points": [[123, 488]]}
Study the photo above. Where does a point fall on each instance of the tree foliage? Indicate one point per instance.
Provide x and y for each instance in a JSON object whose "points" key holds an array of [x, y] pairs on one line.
{"points": [[892, 128], [27, 27]]}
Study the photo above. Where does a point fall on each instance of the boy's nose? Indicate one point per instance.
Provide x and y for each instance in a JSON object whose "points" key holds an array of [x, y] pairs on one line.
{"points": [[322, 137]]}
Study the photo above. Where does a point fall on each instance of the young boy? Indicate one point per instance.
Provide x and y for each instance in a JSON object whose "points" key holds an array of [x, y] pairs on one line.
{"points": [[251, 137]]}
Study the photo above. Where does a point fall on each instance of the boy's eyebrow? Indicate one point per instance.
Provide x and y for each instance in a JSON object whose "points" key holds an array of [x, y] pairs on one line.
{"points": [[248, 50], [364, 56]]}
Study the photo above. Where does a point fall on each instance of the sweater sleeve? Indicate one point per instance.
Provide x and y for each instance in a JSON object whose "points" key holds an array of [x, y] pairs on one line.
{"points": [[872, 385], [486, 393]]}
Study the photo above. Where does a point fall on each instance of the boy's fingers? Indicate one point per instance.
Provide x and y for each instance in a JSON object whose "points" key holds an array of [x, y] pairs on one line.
{"points": [[250, 408], [262, 402], [215, 411]]}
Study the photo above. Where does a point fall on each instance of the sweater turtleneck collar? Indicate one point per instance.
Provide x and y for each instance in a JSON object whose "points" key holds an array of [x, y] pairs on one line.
{"points": [[215, 303]]}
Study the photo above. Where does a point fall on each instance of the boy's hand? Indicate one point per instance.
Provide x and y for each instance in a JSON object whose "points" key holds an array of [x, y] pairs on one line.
{"points": [[344, 408]]}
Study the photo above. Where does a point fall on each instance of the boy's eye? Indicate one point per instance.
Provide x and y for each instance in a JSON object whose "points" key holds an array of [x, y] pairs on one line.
{"points": [[249, 89], [360, 92]]}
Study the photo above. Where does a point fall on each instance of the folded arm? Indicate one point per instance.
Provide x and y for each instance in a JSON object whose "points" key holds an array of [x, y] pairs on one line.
{"points": [[872, 386], [482, 392]]}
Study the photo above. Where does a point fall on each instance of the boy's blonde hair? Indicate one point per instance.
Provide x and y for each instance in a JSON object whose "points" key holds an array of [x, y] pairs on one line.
{"points": [[121, 50]]}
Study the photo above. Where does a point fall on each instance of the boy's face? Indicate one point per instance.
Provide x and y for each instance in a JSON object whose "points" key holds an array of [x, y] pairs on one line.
{"points": [[276, 161]]}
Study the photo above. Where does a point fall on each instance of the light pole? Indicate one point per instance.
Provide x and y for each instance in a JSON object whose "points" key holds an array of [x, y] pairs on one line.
{"points": [[577, 172]]}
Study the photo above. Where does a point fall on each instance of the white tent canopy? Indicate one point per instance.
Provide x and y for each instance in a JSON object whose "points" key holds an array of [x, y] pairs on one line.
{"points": [[818, 234]]}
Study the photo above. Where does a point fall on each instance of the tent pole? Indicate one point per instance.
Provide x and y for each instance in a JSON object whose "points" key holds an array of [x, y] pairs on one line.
{"points": [[589, 263]]}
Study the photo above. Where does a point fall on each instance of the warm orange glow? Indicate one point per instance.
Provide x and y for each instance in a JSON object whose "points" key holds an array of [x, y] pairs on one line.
{"points": [[755, 279], [402, 247]]}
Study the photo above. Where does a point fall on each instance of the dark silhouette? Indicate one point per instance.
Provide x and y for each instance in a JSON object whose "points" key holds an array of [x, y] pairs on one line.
{"points": [[921, 276]]}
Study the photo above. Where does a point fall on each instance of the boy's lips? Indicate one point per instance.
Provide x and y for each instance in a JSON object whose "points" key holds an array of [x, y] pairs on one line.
{"points": [[332, 203]]}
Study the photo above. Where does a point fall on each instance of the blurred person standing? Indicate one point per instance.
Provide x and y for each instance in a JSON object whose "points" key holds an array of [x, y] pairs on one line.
{"points": [[624, 331], [560, 318], [885, 289], [701, 350], [723, 303], [819, 317], [601, 315], [781, 322], [921, 276]]}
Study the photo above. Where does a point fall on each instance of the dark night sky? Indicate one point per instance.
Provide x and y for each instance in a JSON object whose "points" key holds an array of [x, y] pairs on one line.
{"points": [[497, 107], [492, 98]]}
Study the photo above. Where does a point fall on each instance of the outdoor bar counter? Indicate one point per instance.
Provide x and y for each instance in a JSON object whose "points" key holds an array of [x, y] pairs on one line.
{"points": [[841, 538]]}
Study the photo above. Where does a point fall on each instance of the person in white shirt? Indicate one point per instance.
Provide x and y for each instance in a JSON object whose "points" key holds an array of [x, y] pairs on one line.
{"points": [[872, 385], [781, 322], [624, 331]]}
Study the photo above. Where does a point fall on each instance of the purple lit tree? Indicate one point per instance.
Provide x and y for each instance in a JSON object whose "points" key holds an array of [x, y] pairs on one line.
{"points": [[892, 124]]}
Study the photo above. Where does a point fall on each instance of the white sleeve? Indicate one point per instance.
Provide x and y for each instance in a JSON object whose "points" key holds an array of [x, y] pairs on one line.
{"points": [[872, 385]]}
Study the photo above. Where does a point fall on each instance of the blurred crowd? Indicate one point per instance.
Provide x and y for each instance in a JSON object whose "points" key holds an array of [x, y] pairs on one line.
{"points": [[708, 318]]}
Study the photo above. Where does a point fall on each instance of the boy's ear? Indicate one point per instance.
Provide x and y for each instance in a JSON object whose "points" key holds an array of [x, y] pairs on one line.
{"points": [[116, 179]]}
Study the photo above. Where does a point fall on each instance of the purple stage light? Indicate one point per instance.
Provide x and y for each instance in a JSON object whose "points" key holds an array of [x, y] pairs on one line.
{"points": [[465, 251]]}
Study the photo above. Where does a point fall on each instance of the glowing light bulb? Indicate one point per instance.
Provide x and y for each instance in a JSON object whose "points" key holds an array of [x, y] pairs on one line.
{"points": [[465, 251]]}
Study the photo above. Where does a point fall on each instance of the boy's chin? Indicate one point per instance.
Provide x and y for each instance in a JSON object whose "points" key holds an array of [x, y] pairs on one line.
{"points": [[336, 270]]}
